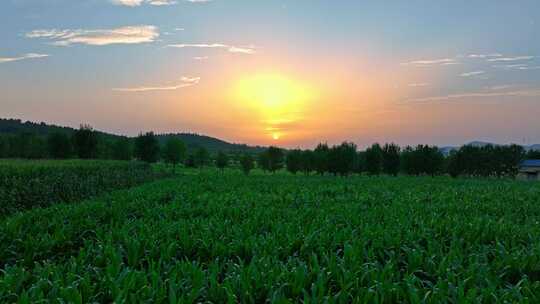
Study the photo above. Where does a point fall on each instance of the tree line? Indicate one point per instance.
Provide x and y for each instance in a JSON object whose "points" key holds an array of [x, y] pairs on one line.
{"points": [[343, 159], [390, 159]]}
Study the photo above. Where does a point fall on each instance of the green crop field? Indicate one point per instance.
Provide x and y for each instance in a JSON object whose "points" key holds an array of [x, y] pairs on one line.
{"points": [[206, 236], [27, 184]]}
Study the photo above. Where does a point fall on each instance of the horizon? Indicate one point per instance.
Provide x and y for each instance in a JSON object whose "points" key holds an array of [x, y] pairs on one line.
{"points": [[473, 141], [289, 74]]}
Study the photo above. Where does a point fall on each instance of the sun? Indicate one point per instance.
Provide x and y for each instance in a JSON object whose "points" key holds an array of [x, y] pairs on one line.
{"points": [[270, 93], [276, 100]]}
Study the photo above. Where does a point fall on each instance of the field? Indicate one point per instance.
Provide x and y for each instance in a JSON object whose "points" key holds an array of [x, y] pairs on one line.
{"points": [[206, 236], [27, 184]]}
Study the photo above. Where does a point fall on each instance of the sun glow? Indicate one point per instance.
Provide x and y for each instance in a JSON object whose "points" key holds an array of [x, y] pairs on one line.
{"points": [[276, 100]]}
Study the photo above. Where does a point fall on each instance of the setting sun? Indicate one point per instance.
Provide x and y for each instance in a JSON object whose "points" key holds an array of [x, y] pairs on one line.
{"points": [[275, 99]]}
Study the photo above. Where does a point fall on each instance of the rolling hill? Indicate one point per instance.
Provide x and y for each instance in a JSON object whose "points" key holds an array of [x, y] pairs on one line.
{"points": [[192, 141]]}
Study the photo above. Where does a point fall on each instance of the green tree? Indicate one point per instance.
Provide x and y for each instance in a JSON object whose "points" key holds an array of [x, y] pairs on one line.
{"points": [[147, 147], [294, 161], [374, 159], [275, 158], [263, 161], [4, 148], [122, 149], [222, 160], [391, 159], [190, 161], [246, 162], [59, 145], [307, 161], [320, 158], [533, 154], [342, 158], [174, 152], [85, 142], [201, 157]]}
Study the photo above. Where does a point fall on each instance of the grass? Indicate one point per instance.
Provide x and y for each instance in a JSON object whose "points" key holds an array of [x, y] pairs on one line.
{"points": [[211, 237]]}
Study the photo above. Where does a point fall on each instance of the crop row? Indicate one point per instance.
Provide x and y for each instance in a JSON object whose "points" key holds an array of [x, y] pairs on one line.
{"points": [[229, 238], [29, 184]]}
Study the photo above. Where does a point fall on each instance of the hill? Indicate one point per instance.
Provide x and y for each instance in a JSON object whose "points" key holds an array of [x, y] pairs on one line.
{"points": [[192, 141], [448, 149]]}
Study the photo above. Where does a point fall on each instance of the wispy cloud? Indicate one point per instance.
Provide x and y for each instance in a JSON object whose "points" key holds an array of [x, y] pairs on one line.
{"points": [[133, 3], [200, 58], [483, 56], [22, 57], [431, 62], [517, 58], [184, 83], [415, 85], [122, 35], [517, 67], [523, 93], [230, 48], [471, 74]]}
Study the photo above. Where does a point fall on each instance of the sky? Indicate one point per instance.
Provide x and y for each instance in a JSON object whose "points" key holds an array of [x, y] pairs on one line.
{"points": [[276, 72]]}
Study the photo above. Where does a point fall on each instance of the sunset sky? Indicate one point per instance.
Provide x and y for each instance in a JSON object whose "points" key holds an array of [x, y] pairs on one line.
{"points": [[288, 73]]}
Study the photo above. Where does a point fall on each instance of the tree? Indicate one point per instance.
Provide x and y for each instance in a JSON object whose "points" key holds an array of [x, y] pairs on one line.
{"points": [[27, 145], [222, 160], [263, 161], [391, 159], [307, 164], [533, 154], [174, 152], [190, 161], [59, 145], [201, 157], [342, 158], [122, 149], [374, 159], [246, 162], [294, 161], [147, 147], [275, 159], [85, 142], [320, 158], [4, 148]]}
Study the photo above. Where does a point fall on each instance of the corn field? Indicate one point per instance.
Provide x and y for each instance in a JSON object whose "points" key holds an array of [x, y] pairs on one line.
{"points": [[209, 237]]}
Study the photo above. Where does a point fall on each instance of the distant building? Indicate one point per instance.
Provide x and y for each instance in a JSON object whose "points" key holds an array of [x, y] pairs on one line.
{"points": [[529, 170]]}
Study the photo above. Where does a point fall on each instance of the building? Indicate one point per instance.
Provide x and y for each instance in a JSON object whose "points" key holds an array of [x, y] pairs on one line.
{"points": [[529, 170]]}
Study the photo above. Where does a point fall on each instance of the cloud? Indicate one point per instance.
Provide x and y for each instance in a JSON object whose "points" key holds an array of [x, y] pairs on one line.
{"points": [[122, 35], [518, 67], [133, 3], [502, 87], [483, 56], [23, 57], [431, 62], [471, 74], [230, 48], [200, 58], [524, 93], [517, 58], [184, 83], [415, 85]]}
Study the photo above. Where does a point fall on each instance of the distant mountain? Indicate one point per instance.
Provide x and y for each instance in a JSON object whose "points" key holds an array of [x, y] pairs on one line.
{"points": [[213, 145], [192, 141], [448, 149]]}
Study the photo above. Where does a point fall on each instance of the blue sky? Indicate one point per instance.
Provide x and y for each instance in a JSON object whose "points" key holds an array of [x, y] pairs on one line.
{"points": [[438, 72]]}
